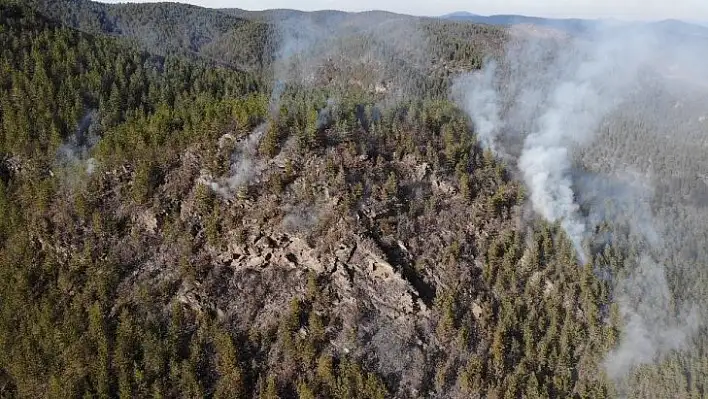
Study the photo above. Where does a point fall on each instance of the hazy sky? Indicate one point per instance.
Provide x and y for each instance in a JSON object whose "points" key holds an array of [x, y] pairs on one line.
{"points": [[622, 9]]}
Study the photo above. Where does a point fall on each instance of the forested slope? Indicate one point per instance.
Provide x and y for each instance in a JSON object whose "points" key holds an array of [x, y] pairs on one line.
{"points": [[172, 226], [169, 28], [254, 41]]}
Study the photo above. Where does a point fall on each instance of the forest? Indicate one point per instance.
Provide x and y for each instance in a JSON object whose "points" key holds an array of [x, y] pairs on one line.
{"points": [[221, 203]]}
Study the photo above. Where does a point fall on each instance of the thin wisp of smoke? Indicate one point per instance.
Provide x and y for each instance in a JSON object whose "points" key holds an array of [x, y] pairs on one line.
{"points": [[651, 328], [75, 151]]}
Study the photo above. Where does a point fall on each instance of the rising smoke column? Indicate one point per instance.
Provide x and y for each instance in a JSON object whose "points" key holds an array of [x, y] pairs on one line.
{"points": [[544, 102], [574, 111], [565, 99], [481, 99]]}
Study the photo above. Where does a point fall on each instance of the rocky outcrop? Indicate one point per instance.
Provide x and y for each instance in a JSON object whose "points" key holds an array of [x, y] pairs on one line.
{"points": [[357, 273]]}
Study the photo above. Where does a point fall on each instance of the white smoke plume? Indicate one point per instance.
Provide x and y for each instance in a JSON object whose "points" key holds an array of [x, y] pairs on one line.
{"points": [[544, 102], [244, 166], [481, 99], [650, 328], [565, 101], [75, 151], [654, 323]]}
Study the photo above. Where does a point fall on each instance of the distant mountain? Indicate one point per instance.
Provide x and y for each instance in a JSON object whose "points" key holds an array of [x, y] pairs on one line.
{"points": [[333, 18], [677, 27], [576, 25], [571, 25], [460, 14]]}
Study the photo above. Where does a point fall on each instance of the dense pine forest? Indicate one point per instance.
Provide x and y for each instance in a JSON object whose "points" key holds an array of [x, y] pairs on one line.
{"points": [[221, 203]]}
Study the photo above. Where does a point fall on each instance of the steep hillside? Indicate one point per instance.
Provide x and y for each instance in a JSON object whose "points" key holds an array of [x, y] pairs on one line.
{"points": [[191, 239], [167, 28], [403, 51], [216, 203]]}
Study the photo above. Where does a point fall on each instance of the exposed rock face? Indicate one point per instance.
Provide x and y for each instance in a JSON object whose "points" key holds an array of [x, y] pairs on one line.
{"points": [[357, 274], [255, 280], [367, 265]]}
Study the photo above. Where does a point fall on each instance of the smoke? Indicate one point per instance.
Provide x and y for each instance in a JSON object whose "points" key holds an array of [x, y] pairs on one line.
{"points": [[305, 42], [278, 90], [650, 328], [543, 103], [623, 196], [559, 109], [300, 218], [655, 323], [481, 100], [75, 151], [324, 115], [91, 165], [374, 52], [244, 166]]}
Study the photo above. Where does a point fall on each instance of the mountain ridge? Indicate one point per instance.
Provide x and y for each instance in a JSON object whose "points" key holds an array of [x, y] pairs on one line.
{"points": [[575, 25]]}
